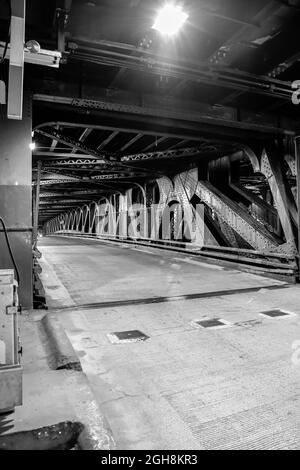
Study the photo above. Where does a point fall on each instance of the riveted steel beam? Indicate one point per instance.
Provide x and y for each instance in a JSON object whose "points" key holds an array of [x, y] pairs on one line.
{"points": [[206, 148], [131, 142], [186, 115], [116, 176], [155, 143], [60, 137], [107, 140], [75, 161]]}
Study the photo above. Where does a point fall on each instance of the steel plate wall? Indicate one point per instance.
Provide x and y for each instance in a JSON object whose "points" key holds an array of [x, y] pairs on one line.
{"points": [[15, 197]]}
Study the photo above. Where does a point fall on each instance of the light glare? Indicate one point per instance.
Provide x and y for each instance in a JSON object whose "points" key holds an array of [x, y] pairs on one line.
{"points": [[32, 145], [170, 19]]}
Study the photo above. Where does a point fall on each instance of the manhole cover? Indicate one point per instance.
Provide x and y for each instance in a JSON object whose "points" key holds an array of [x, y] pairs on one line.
{"points": [[211, 323], [276, 313], [131, 336]]}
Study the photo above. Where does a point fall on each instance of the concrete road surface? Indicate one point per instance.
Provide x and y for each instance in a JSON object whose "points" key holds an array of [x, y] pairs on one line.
{"points": [[183, 387]]}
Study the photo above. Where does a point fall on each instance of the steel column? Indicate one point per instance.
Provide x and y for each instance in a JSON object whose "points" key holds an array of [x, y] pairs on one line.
{"points": [[37, 203], [297, 156], [16, 61], [15, 198]]}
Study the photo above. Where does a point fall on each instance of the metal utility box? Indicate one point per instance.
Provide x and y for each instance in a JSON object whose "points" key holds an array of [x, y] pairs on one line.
{"points": [[10, 368]]}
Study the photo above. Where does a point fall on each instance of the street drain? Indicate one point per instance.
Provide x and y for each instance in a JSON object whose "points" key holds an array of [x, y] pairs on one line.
{"points": [[131, 336], [276, 313], [212, 323]]}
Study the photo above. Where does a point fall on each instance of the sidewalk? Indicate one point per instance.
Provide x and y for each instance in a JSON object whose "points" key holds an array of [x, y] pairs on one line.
{"points": [[52, 396]]}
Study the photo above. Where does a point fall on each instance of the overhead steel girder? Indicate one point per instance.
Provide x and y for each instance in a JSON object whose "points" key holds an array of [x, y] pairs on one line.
{"points": [[176, 133], [73, 167], [116, 176], [83, 193], [75, 161], [61, 155], [49, 200], [159, 112], [131, 142], [57, 176], [189, 118], [55, 134], [49, 182], [60, 201], [57, 172], [131, 171], [155, 143], [61, 204], [81, 170], [206, 148], [93, 179], [57, 209], [45, 194], [60, 137], [57, 181], [108, 140]]}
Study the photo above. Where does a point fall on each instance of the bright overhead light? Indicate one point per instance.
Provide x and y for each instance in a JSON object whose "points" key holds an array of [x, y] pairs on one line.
{"points": [[170, 19], [32, 145]]}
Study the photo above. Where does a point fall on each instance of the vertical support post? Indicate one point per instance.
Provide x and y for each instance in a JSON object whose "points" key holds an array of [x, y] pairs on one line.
{"points": [[61, 31], [297, 157], [16, 61], [62, 16], [16, 196], [272, 168], [37, 203]]}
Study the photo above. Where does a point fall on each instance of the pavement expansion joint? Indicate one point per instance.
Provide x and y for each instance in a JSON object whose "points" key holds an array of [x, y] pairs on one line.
{"points": [[165, 299]]}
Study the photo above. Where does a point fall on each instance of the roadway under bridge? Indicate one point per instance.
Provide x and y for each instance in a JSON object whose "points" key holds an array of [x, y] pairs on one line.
{"points": [[229, 386], [150, 183]]}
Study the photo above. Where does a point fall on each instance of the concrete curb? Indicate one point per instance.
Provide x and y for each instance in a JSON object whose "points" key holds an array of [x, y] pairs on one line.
{"points": [[61, 354], [96, 434]]}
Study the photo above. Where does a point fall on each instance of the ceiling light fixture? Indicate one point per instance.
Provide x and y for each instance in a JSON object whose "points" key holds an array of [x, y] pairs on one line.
{"points": [[170, 19]]}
